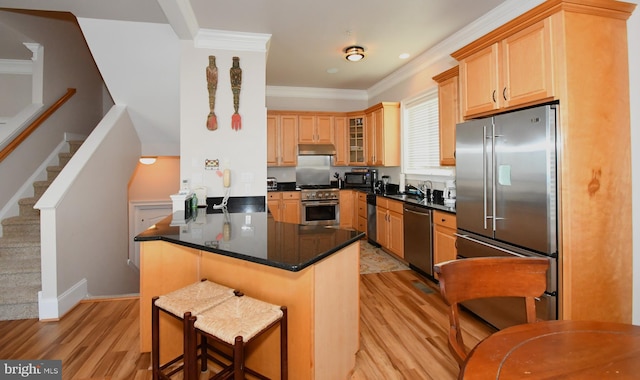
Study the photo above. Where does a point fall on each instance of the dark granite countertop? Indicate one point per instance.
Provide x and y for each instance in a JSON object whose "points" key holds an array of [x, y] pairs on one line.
{"points": [[253, 236], [419, 201], [423, 202]]}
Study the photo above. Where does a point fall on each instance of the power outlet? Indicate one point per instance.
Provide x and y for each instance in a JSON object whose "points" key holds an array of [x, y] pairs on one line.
{"points": [[211, 164]]}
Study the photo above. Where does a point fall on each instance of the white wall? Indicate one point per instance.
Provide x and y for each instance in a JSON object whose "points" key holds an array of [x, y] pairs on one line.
{"points": [[67, 64], [85, 238], [244, 152], [634, 86], [15, 90]]}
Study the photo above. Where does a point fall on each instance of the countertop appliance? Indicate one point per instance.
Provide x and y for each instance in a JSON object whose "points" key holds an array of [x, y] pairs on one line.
{"points": [[361, 179], [418, 239], [272, 183], [372, 225], [506, 197]]}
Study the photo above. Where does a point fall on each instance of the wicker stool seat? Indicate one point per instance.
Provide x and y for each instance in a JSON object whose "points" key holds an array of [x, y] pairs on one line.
{"points": [[181, 304], [234, 323]]}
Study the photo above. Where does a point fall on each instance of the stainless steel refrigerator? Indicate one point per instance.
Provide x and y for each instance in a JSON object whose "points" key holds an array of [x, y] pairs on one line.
{"points": [[506, 200]]}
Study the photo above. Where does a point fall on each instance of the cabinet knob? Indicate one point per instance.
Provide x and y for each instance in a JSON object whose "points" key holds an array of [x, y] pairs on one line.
{"points": [[493, 96], [504, 93]]}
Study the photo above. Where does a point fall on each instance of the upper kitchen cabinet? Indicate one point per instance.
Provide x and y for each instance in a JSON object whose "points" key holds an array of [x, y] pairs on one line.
{"points": [[448, 113], [315, 129], [340, 140], [356, 140], [573, 52], [513, 72], [282, 136], [382, 134]]}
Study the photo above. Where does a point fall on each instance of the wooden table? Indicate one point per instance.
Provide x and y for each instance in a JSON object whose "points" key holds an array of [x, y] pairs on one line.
{"points": [[557, 349]]}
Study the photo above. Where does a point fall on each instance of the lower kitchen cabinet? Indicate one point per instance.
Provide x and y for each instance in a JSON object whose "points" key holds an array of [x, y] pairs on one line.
{"points": [[284, 206], [348, 209], [444, 239], [362, 212], [390, 225]]}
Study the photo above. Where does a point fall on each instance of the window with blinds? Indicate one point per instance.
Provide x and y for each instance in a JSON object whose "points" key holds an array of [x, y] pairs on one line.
{"points": [[421, 134]]}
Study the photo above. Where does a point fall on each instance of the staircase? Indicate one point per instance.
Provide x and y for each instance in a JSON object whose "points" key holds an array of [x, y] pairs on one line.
{"points": [[20, 250]]}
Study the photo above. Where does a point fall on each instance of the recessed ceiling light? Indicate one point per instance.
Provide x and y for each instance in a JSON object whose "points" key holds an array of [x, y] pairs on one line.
{"points": [[332, 70], [404, 56]]}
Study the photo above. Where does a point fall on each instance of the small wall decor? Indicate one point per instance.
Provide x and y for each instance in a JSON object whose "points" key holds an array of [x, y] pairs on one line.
{"points": [[212, 85], [236, 81]]}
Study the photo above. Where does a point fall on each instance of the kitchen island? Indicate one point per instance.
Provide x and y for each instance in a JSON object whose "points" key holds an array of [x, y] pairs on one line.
{"points": [[312, 270]]}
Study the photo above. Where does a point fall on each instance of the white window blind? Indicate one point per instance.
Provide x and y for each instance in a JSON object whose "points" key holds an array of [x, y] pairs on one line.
{"points": [[421, 134]]}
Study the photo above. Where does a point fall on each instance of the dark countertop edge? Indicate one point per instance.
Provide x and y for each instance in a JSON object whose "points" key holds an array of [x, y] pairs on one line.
{"points": [[397, 197], [234, 255]]}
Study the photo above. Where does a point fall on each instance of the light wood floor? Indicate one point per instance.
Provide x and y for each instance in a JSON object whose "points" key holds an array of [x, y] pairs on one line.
{"points": [[403, 335]]}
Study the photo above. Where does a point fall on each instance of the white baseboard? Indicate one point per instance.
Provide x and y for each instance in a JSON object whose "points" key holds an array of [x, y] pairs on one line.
{"points": [[55, 308]]}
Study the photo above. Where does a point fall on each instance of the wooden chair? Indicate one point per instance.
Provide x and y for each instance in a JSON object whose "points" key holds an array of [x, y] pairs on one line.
{"points": [[181, 304], [233, 324], [485, 277]]}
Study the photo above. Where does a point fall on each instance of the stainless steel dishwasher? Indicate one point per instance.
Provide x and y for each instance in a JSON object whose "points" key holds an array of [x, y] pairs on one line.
{"points": [[418, 237]]}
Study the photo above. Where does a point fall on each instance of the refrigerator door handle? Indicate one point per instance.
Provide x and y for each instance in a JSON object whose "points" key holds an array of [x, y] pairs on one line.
{"points": [[493, 175], [484, 174], [467, 237]]}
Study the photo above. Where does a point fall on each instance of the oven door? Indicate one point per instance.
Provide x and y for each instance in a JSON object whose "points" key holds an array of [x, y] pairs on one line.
{"points": [[320, 213]]}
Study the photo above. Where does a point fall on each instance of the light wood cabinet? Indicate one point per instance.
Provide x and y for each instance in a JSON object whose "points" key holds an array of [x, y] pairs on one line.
{"points": [[515, 71], [382, 134], [284, 206], [448, 114], [348, 209], [589, 76], [282, 137], [390, 225], [444, 240], [356, 140], [315, 129], [340, 140], [362, 211]]}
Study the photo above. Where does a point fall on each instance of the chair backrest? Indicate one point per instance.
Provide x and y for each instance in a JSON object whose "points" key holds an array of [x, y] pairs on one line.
{"points": [[485, 277]]}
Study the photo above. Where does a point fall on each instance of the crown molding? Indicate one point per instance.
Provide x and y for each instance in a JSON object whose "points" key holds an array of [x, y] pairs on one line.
{"points": [[315, 93], [493, 19], [225, 40], [16, 66]]}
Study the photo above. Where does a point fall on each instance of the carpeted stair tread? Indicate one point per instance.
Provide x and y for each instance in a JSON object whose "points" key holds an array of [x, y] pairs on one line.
{"points": [[19, 242], [18, 265], [19, 295], [12, 312], [21, 220]]}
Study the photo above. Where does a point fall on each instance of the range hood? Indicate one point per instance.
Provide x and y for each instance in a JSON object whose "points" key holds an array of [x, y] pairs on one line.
{"points": [[316, 150]]}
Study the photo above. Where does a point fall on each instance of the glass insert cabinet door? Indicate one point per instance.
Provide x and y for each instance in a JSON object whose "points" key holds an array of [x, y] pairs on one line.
{"points": [[356, 141]]}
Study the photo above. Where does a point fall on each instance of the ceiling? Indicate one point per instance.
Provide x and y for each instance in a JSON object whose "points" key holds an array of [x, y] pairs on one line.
{"points": [[307, 37]]}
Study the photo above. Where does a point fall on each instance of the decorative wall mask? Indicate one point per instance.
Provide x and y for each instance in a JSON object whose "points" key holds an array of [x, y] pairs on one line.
{"points": [[212, 85], [236, 82]]}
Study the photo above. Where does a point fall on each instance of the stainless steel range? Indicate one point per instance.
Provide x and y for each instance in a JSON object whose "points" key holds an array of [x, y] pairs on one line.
{"points": [[320, 205]]}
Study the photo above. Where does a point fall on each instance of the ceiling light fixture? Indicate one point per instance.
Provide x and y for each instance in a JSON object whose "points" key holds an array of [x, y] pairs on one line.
{"points": [[354, 53], [147, 160]]}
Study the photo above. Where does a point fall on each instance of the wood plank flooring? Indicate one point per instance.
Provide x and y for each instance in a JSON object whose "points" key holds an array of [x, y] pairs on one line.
{"points": [[403, 335]]}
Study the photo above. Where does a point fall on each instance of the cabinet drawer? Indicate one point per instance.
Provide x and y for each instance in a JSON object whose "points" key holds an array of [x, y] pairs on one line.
{"points": [[276, 195], [444, 219], [291, 195], [362, 209], [362, 196], [395, 206]]}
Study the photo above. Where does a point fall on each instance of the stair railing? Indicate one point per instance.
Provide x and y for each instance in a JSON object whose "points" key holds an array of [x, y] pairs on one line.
{"points": [[36, 123]]}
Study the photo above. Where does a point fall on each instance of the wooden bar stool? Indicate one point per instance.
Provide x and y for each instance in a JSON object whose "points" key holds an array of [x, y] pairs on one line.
{"points": [[234, 323], [181, 304]]}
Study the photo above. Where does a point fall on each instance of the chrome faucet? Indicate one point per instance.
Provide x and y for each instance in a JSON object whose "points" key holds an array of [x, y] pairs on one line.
{"points": [[427, 191]]}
